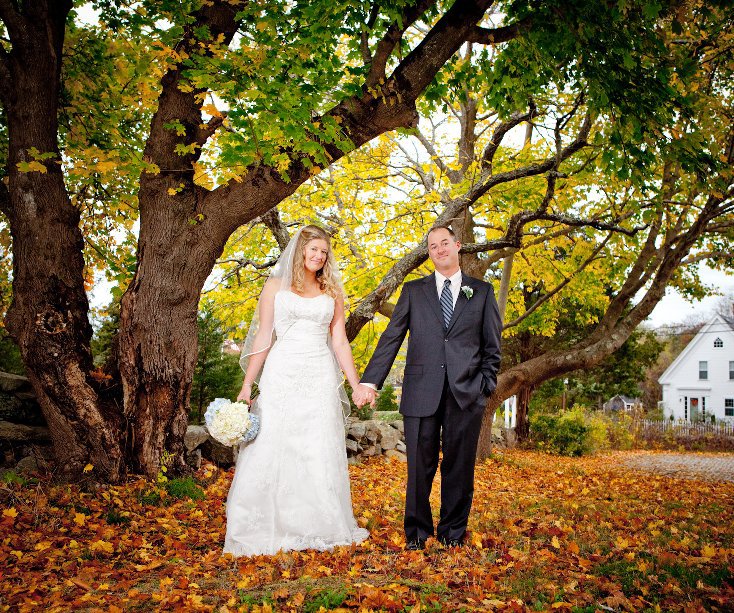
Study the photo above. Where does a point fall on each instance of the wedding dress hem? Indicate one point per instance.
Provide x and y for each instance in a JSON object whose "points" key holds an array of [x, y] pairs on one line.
{"points": [[296, 544]]}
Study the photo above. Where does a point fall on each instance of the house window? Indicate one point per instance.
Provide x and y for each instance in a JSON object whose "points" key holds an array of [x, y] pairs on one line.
{"points": [[718, 343], [731, 371], [729, 407], [703, 369], [685, 408]]}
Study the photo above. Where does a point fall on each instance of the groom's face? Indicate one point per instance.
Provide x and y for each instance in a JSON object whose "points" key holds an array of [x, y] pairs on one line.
{"points": [[443, 249]]}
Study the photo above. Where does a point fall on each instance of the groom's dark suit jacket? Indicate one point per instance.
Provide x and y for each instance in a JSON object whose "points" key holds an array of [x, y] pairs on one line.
{"points": [[468, 352]]}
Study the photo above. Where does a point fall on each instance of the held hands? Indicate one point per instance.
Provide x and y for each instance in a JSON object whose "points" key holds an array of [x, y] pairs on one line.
{"points": [[364, 394], [361, 395]]}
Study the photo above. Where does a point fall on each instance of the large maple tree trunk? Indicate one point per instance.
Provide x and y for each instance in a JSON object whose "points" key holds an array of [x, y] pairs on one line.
{"points": [[158, 329], [48, 315]]}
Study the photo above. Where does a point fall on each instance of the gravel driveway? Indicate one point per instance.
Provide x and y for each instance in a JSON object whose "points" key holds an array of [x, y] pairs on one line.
{"points": [[714, 467]]}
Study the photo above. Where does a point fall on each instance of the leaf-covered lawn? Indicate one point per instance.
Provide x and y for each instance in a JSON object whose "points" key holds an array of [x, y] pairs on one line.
{"points": [[546, 533]]}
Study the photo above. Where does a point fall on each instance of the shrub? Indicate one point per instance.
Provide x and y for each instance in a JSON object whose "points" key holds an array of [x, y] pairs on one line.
{"points": [[571, 433], [10, 477], [386, 401], [364, 413], [619, 432], [115, 517], [598, 435]]}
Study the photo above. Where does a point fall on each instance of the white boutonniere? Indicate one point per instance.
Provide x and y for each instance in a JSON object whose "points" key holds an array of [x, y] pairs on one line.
{"points": [[467, 291]]}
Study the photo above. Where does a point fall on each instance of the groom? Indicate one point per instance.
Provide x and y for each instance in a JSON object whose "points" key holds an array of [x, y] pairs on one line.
{"points": [[451, 369]]}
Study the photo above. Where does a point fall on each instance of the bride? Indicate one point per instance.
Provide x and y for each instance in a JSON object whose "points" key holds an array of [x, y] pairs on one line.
{"points": [[291, 485]]}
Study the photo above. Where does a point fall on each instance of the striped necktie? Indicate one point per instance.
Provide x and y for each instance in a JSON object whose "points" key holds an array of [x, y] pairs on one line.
{"points": [[447, 302]]}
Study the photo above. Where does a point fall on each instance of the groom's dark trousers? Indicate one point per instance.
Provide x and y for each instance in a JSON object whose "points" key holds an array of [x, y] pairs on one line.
{"points": [[457, 432], [449, 373]]}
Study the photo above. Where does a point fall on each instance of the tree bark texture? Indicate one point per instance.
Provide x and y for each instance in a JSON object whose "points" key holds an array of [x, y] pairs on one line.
{"points": [[48, 317]]}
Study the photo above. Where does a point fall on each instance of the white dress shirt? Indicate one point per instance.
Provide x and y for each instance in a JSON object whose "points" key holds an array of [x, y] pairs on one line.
{"points": [[455, 284], [455, 289]]}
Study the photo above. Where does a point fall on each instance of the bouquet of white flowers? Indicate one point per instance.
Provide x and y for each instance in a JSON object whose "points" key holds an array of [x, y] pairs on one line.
{"points": [[231, 423]]}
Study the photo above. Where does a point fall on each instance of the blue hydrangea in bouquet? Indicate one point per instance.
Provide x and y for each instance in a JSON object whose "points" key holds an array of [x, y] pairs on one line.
{"points": [[231, 423]]}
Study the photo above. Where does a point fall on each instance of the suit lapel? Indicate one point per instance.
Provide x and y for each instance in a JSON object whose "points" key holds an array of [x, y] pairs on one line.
{"points": [[429, 287], [461, 302]]}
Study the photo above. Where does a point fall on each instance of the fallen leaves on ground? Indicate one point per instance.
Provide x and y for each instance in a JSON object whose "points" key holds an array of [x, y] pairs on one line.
{"points": [[546, 533]]}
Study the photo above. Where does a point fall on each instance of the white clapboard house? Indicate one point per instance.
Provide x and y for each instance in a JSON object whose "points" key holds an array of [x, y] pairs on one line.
{"points": [[700, 381]]}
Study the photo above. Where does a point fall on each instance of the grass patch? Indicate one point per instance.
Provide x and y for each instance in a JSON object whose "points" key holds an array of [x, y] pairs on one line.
{"points": [[625, 572], [150, 498], [183, 488], [328, 599], [690, 576], [251, 599], [527, 586]]}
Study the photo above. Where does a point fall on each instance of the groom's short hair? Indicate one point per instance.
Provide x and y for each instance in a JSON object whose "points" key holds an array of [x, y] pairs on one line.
{"points": [[443, 227]]}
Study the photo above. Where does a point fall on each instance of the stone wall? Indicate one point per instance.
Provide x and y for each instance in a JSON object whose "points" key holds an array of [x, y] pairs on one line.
{"points": [[363, 439], [373, 437], [26, 446]]}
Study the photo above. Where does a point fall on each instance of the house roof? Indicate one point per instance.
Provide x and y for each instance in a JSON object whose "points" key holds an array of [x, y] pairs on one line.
{"points": [[704, 332]]}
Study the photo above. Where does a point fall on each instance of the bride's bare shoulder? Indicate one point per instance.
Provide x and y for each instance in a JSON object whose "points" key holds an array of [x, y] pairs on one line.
{"points": [[271, 287]]}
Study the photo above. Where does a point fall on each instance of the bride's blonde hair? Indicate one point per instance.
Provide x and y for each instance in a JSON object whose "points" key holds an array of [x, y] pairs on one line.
{"points": [[327, 275]]}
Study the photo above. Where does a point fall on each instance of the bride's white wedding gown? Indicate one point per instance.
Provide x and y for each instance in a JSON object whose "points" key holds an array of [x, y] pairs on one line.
{"points": [[291, 484]]}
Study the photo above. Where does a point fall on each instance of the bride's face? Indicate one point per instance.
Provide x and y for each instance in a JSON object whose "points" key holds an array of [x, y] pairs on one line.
{"points": [[315, 254]]}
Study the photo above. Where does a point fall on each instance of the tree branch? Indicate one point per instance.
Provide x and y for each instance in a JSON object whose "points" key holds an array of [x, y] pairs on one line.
{"points": [[219, 17], [494, 36], [12, 19], [364, 36], [204, 133], [244, 262], [453, 175], [275, 224], [500, 132], [592, 223], [391, 38], [362, 118], [706, 256], [719, 227], [395, 276]]}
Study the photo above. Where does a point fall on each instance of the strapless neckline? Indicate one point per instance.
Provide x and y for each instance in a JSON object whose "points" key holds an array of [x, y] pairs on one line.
{"points": [[287, 291]]}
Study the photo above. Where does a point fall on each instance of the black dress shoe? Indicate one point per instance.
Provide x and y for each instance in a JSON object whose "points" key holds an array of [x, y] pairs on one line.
{"points": [[451, 542], [415, 545]]}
